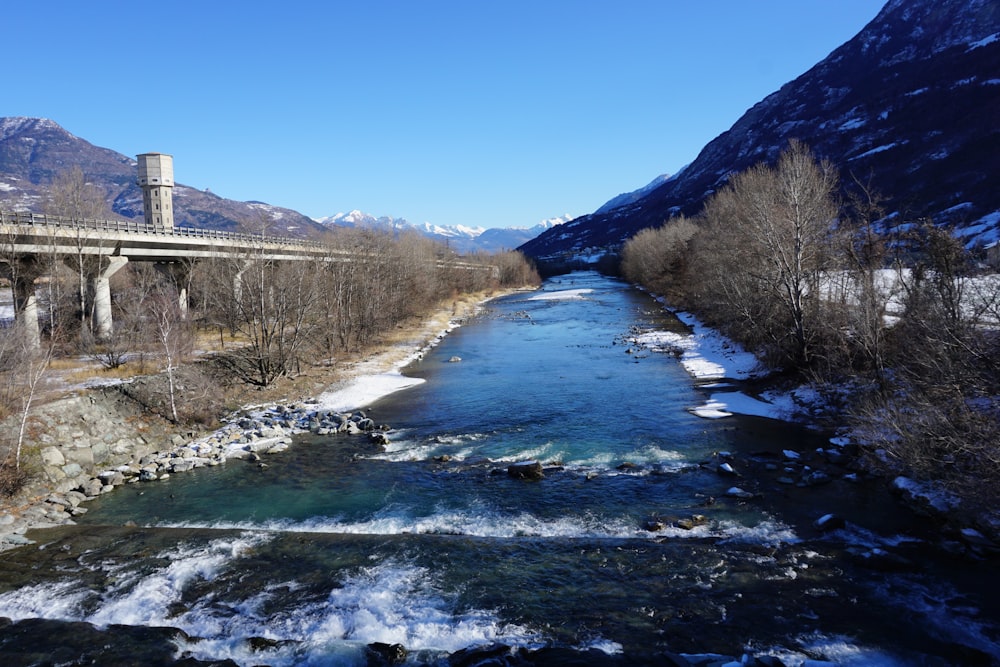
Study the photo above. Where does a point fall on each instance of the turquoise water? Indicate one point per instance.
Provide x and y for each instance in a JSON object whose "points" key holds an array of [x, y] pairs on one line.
{"points": [[336, 544]]}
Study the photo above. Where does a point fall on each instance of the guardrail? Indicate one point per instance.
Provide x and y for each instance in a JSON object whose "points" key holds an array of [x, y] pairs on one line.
{"points": [[37, 220], [27, 219]]}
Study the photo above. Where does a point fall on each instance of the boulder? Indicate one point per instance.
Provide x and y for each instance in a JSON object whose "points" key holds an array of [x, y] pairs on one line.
{"points": [[181, 465], [92, 487], [692, 522], [829, 522], [531, 470], [277, 448], [727, 469], [816, 477], [112, 477], [378, 654], [881, 560], [51, 456], [473, 656]]}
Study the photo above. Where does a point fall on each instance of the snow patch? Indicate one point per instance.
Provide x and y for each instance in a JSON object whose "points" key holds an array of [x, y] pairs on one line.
{"points": [[561, 295]]}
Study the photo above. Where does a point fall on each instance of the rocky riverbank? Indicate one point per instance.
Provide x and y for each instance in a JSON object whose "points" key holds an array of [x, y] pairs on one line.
{"points": [[90, 443]]}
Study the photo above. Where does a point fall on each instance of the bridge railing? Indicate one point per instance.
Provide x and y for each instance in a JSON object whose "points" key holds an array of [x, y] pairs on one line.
{"points": [[36, 220], [22, 218]]}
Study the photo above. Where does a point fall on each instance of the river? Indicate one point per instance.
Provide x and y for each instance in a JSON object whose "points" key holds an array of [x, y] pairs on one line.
{"points": [[630, 546]]}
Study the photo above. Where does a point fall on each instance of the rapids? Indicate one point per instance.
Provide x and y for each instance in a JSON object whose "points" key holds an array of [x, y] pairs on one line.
{"points": [[629, 547]]}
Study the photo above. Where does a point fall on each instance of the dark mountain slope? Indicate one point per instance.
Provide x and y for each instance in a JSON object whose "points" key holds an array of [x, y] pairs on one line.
{"points": [[909, 106]]}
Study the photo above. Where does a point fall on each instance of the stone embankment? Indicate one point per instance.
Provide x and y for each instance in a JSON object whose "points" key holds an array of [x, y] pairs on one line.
{"points": [[92, 443]]}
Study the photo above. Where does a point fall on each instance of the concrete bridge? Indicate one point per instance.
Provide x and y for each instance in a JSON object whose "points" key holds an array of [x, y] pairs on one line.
{"points": [[102, 247]]}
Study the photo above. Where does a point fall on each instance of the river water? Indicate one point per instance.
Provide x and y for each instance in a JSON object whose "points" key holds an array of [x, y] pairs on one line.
{"points": [[629, 547]]}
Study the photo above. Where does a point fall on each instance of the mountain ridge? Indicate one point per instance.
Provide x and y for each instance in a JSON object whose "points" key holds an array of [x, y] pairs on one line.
{"points": [[35, 151], [458, 237], [907, 107]]}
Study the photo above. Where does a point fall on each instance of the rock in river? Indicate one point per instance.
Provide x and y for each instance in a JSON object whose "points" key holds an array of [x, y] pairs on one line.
{"points": [[526, 470]]}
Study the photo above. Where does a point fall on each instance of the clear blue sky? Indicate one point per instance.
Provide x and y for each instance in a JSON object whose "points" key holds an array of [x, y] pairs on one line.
{"points": [[476, 112]]}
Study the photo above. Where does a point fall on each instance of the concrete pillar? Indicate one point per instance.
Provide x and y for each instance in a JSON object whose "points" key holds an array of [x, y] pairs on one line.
{"points": [[238, 280], [22, 274], [179, 274], [100, 282]]}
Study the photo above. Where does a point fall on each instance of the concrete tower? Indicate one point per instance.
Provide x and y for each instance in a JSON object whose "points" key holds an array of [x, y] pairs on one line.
{"points": [[156, 178]]}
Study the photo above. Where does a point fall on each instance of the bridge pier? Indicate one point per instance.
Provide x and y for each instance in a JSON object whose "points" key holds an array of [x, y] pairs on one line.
{"points": [[22, 274], [99, 277], [179, 274]]}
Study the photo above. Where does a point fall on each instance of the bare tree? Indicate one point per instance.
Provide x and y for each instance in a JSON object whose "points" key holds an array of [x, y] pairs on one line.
{"points": [[71, 196], [657, 257], [272, 307], [775, 226], [23, 364], [869, 289], [174, 338]]}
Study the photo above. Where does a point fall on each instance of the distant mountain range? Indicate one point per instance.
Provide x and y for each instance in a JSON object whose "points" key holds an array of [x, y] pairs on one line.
{"points": [[459, 238], [34, 151], [909, 107]]}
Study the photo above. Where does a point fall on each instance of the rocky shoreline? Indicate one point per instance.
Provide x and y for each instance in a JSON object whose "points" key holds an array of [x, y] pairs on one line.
{"points": [[92, 443], [266, 432]]}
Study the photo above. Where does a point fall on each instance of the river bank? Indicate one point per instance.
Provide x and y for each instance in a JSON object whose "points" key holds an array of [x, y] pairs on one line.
{"points": [[91, 441], [631, 546], [724, 368]]}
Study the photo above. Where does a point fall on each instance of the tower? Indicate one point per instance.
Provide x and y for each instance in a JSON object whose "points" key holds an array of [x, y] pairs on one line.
{"points": [[156, 178]]}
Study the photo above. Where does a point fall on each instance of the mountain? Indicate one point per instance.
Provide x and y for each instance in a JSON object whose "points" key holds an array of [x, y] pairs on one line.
{"points": [[34, 151], [459, 237], [908, 107], [634, 196]]}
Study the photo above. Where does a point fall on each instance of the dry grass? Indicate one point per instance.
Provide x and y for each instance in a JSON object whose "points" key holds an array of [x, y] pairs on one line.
{"points": [[214, 340], [126, 371], [67, 364], [67, 374]]}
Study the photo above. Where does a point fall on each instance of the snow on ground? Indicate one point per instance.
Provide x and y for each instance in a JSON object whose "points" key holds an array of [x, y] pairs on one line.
{"points": [[708, 355], [364, 391], [381, 374], [562, 294], [704, 353], [726, 404], [371, 381]]}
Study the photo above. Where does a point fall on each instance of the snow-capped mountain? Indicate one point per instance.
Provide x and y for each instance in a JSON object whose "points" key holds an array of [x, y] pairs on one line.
{"points": [[908, 107], [460, 238]]}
